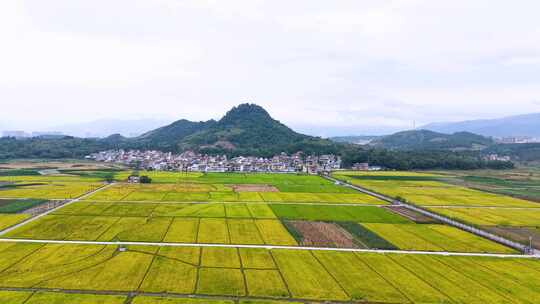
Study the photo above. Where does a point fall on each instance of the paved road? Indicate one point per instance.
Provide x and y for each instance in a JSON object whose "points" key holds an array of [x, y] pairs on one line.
{"points": [[52, 210], [446, 220], [165, 244]]}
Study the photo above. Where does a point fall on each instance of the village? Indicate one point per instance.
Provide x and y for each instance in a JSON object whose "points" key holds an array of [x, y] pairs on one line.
{"points": [[194, 162]]}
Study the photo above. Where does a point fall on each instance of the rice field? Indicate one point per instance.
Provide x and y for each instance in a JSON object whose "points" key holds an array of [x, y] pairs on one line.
{"points": [[213, 209], [157, 229], [8, 220], [428, 190], [270, 274], [433, 237], [222, 193], [494, 216], [48, 190]]}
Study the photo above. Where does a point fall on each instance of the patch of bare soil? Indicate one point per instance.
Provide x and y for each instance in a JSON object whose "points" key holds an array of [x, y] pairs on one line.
{"points": [[43, 207], [412, 215], [518, 234], [254, 188], [322, 234]]}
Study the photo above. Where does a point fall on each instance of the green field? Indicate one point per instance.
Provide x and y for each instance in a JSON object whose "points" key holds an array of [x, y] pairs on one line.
{"points": [[321, 275], [429, 190], [7, 220], [337, 213], [48, 190], [434, 238], [521, 182], [494, 216]]}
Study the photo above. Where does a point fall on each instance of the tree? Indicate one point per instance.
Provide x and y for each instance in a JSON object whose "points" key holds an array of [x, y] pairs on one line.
{"points": [[144, 179]]}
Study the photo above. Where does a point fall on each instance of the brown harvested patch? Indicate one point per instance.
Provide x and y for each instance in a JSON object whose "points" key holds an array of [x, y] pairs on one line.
{"points": [[322, 234], [412, 215], [254, 188], [518, 234]]}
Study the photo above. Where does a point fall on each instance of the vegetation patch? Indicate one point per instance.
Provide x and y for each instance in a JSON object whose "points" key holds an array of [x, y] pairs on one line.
{"points": [[254, 188], [8, 220], [365, 238], [336, 213], [321, 234]]}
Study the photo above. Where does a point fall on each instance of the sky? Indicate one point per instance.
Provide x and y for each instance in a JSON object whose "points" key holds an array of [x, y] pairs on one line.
{"points": [[322, 67]]}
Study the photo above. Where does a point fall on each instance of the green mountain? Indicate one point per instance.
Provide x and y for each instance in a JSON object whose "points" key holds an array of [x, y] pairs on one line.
{"points": [[429, 140], [246, 129], [169, 136]]}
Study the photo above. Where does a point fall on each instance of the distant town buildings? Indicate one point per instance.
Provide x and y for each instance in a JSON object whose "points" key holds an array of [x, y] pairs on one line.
{"points": [[191, 161], [496, 157], [365, 167], [518, 140]]}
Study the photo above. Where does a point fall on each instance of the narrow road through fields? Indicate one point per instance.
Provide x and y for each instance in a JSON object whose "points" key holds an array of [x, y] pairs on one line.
{"points": [[446, 220], [270, 247], [244, 202], [52, 210]]}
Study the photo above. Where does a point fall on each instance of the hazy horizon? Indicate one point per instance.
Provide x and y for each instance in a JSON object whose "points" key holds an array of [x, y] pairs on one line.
{"points": [[322, 68]]}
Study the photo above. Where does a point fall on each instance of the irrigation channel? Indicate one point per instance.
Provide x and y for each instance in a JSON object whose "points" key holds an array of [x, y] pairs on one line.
{"points": [[446, 220]]}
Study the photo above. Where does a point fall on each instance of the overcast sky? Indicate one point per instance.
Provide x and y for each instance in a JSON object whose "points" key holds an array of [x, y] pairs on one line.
{"points": [[359, 66]]}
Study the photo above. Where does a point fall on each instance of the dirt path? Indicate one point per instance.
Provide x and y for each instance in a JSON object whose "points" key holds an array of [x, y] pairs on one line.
{"points": [[271, 247]]}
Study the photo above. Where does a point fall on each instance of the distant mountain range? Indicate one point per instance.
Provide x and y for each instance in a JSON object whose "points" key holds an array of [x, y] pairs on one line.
{"points": [[520, 125], [106, 127]]}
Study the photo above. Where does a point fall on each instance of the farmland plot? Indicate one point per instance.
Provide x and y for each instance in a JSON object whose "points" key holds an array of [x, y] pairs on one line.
{"points": [[494, 216], [319, 275], [431, 237], [8, 220], [67, 190]]}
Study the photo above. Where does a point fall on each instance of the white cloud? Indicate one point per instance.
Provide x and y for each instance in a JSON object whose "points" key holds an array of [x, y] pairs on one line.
{"points": [[338, 63]]}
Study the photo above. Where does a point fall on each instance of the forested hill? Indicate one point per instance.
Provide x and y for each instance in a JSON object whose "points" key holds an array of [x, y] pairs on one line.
{"points": [[247, 129], [429, 140]]}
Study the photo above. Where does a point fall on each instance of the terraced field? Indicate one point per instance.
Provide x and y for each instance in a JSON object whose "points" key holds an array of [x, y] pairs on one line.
{"points": [[191, 229]]}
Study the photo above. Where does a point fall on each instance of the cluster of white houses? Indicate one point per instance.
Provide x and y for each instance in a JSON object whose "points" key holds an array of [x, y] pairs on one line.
{"points": [[191, 161]]}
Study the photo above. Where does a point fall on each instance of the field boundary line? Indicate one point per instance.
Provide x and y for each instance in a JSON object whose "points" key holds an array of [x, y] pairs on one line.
{"points": [[242, 202], [163, 295], [11, 228], [271, 247]]}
